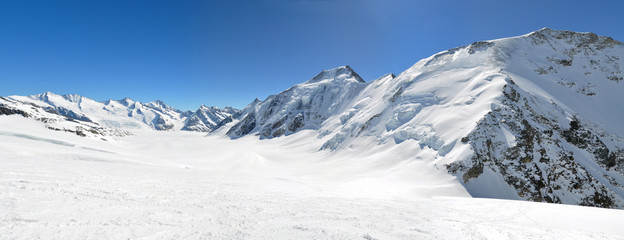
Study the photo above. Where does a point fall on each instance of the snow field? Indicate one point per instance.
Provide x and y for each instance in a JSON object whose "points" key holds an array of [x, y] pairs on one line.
{"points": [[184, 185]]}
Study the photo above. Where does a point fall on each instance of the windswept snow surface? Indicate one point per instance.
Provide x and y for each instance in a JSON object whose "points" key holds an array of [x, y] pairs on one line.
{"points": [[185, 185]]}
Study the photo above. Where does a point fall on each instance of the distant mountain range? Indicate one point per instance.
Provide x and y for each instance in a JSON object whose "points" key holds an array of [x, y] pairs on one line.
{"points": [[120, 114], [535, 117]]}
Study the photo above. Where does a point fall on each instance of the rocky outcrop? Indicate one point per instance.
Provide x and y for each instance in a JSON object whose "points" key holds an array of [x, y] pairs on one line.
{"points": [[525, 145]]}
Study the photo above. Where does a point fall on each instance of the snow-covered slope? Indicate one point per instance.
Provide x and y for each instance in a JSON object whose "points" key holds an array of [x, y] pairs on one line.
{"points": [[127, 113], [184, 185], [303, 106], [53, 120], [534, 117]]}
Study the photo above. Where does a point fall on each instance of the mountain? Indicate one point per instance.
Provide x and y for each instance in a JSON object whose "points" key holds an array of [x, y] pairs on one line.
{"points": [[303, 106], [534, 117], [60, 121], [121, 114], [554, 134], [205, 119]]}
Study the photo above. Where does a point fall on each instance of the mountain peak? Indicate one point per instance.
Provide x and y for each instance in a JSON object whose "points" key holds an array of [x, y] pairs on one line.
{"points": [[206, 108], [572, 37], [46, 96], [343, 73], [388, 75], [72, 97], [43, 95], [545, 29], [126, 101], [559, 34], [161, 106]]}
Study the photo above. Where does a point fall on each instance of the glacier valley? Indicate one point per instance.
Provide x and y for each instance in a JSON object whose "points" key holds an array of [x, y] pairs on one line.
{"points": [[514, 138]]}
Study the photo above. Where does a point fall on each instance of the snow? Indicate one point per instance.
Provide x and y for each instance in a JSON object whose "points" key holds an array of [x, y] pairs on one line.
{"points": [[490, 185], [304, 106], [127, 113], [509, 137], [337, 158], [544, 79], [163, 185]]}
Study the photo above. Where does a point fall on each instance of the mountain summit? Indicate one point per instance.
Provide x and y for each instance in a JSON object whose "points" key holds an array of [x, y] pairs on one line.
{"points": [[303, 106], [344, 73]]}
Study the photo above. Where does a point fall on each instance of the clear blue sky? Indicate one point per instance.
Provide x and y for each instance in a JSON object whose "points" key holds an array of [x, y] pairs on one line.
{"points": [[189, 53]]}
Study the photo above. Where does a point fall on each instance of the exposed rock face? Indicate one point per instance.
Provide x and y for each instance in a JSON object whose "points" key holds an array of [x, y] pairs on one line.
{"points": [[161, 124], [245, 126], [526, 145], [6, 110], [206, 119], [303, 106]]}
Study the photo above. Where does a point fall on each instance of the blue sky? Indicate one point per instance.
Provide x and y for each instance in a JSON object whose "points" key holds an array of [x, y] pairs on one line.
{"points": [[226, 53]]}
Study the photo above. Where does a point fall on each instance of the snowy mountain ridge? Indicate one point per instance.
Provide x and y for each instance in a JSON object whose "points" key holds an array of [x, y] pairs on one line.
{"points": [[303, 106], [121, 114]]}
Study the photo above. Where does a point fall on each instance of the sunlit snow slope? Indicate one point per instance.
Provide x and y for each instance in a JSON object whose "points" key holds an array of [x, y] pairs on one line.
{"points": [[181, 185]]}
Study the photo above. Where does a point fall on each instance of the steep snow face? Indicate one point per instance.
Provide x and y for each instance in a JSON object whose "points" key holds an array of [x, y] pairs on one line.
{"points": [[127, 113], [303, 106], [426, 103]]}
